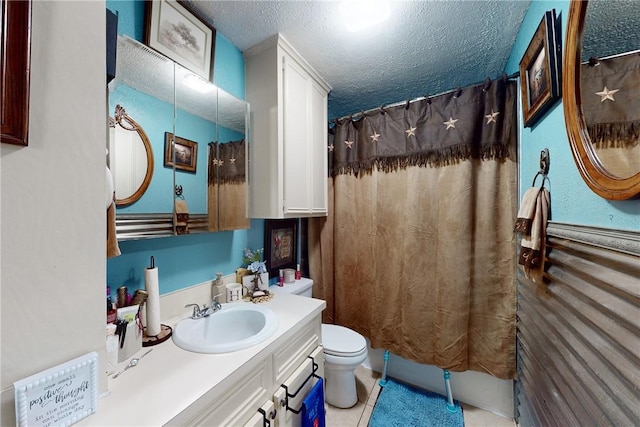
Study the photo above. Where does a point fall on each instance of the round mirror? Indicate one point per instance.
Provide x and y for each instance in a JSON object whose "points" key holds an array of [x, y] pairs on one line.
{"points": [[130, 158], [602, 128]]}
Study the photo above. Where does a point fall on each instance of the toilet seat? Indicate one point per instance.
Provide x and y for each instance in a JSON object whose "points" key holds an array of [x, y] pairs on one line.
{"points": [[342, 342]]}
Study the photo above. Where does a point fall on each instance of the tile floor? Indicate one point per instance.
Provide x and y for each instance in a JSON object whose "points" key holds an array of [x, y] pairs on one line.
{"points": [[368, 389]]}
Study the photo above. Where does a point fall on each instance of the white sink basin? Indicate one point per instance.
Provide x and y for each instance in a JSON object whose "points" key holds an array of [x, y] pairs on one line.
{"points": [[235, 327]]}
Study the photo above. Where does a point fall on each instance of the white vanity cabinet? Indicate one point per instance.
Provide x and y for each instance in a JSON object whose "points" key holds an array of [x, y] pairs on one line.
{"points": [[288, 128], [257, 385]]}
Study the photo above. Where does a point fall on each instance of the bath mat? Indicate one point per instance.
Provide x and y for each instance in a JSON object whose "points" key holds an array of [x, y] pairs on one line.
{"points": [[402, 405]]}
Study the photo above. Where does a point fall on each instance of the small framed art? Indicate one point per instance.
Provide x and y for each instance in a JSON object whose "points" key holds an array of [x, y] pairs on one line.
{"points": [[540, 70], [281, 244], [180, 152]]}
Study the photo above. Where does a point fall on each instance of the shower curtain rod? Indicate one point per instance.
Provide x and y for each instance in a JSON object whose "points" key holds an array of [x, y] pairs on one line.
{"points": [[420, 98], [615, 55]]}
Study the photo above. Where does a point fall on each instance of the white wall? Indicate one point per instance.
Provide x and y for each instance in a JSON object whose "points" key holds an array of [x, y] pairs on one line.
{"points": [[52, 221]]}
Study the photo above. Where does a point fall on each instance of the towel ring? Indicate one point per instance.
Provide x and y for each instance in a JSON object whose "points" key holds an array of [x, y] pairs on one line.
{"points": [[544, 167], [544, 178]]}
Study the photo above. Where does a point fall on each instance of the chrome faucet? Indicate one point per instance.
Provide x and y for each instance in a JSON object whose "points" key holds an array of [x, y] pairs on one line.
{"points": [[205, 311]]}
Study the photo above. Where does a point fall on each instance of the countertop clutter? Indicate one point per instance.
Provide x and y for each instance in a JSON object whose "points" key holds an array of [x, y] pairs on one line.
{"points": [[169, 379]]}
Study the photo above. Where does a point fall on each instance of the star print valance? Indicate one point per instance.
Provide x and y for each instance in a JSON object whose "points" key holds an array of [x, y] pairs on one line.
{"points": [[610, 90], [475, 122], [227, 162]]}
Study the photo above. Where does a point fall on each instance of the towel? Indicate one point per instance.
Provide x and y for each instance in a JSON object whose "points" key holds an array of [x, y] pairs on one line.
{"points": [[526, 211], [181, 217], [532, 244], [113, 249], [312, 414]]}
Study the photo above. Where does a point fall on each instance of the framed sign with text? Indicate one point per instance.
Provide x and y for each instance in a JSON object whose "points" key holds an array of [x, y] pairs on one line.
{"points": [[62, 395]]}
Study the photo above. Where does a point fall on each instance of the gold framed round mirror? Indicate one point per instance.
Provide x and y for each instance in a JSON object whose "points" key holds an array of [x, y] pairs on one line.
{"points": [[130, 158], [600, 176]]}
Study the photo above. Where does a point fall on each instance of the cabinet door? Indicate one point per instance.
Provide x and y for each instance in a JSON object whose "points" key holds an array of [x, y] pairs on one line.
{"points": [[261, 419], [318, 159], [297, 138], [298, 384]]}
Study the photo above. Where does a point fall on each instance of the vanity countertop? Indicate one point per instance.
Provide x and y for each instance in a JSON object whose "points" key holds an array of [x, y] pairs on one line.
{"points": [[169, 379]]}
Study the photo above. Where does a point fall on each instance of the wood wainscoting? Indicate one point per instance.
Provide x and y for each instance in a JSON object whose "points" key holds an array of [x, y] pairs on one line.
{"points": [[579, 334]]}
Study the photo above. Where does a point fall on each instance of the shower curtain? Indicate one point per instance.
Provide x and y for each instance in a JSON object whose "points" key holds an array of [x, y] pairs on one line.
{"points": [[227, 190], [418, 250]]}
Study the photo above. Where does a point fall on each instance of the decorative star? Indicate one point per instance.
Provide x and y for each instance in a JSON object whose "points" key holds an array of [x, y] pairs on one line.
{"points": [[216, 162], [331, 147], [451, 123], [220, 162], [348, 143], [232, 160], [607, 94], [374, 137], [492, 117], [411, 131]]}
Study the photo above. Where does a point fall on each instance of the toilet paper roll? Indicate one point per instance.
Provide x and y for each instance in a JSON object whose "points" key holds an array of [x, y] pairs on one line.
{"points": [[153, 301]]}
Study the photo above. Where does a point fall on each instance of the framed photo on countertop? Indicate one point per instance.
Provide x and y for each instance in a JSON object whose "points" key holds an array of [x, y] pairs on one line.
{"points": [[280, 244]]}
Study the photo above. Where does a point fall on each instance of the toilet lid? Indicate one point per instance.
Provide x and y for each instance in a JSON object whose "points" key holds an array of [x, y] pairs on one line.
{"points": [[340, 340]]}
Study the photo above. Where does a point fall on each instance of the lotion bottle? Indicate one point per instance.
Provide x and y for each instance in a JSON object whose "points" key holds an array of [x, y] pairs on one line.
{"points": [[219, 288]]}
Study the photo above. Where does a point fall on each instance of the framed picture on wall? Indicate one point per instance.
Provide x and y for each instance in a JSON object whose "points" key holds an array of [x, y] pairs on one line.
{"points": [[540, 70], [15, 71], [280, 244], [180, 152], [175, 30]]}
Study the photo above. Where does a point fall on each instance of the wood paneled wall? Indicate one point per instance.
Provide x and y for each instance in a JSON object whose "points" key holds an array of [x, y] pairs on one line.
{"points": [[579, 333]]}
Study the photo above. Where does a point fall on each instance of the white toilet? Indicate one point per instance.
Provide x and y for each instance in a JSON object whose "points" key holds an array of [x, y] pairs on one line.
{"points": [[344, 351]]}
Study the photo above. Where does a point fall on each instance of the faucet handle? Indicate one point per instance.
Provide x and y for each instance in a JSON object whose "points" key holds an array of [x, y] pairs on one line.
{"points": [[215, 304], [196, 310]]}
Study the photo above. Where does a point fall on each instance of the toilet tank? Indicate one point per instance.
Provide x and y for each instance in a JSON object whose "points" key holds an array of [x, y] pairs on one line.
{"points": [[302, 287]]}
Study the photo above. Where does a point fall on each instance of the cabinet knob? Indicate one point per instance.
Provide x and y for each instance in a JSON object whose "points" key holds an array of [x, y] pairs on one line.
{"points": [[273, 414]]}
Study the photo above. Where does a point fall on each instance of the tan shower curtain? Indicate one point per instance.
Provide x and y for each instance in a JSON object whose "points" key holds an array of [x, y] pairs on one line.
{"points": [[418, 250], [227, 190]]}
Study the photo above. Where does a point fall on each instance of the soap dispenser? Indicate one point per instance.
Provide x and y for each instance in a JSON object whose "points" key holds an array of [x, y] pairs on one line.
{"points": [[218, 288]]}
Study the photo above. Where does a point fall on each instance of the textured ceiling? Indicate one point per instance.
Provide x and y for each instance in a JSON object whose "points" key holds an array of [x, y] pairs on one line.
{"points": [[425, 47], [611, 27]]}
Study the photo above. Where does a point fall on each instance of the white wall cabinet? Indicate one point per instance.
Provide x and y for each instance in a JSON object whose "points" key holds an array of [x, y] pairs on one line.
{"points": [[259, 387], [288, 128]]}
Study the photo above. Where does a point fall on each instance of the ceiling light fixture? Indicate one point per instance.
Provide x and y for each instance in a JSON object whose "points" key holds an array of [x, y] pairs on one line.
{"points": [[361, 14], [196, 83]]}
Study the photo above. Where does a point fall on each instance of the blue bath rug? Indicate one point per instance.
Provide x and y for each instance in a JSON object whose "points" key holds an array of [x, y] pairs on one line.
{"points": [[402, 405]]}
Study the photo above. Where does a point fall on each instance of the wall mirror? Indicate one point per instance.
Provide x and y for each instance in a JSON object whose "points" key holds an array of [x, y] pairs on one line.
{"points": [[151, 102], [603, 123], [130, 157], [183, 115], [228, 166]]}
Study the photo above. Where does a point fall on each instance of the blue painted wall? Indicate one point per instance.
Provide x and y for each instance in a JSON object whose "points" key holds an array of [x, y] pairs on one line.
{"points": [[191, 259], [571, 200]]}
